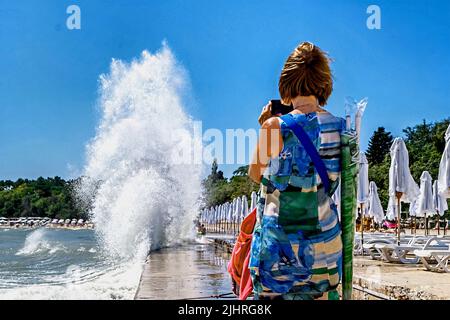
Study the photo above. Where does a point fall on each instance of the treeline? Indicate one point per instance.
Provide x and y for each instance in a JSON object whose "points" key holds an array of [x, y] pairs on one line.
{"points": [[43, 197], [218, 189]]}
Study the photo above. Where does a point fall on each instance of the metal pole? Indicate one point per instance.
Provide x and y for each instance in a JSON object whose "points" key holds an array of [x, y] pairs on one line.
{"points": [[361, 207], [445, 225], [399, 195], [439, 223]]}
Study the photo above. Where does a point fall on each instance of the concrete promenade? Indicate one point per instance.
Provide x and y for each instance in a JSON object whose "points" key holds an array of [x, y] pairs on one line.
{"points": [[194, 271], [198, 271]]}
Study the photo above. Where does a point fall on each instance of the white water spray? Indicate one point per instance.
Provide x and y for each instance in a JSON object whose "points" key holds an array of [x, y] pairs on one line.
{"points": [[145, 198]]}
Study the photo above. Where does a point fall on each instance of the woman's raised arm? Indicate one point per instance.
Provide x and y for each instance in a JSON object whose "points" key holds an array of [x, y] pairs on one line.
{"points": [[270, 143]]}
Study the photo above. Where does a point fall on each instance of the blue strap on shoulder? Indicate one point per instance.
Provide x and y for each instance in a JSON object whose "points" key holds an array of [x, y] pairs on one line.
{"points": [[309, 148]]}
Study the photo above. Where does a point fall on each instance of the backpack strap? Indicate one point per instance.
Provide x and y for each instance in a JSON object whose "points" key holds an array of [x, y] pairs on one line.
{"points": [[309, 148]]}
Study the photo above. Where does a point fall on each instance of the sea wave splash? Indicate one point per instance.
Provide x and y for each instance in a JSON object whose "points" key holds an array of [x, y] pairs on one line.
{"points": [[142, 198], [145, 199], [36, 242]]}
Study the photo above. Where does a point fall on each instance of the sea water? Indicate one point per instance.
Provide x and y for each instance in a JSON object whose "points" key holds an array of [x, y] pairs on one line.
{"points": [[61, 264], [141, 197]]}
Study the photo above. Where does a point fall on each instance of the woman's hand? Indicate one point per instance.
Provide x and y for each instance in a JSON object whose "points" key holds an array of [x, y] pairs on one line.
{"points": [[266, 113]]}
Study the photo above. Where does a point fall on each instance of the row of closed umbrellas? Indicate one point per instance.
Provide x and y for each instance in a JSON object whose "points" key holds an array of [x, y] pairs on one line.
{"points": [[426, 200], [228, 216]]}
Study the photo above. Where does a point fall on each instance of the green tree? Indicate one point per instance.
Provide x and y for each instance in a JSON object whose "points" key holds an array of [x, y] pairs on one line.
{"points": [[218, 190], [425, 143], [379, 145], [51, 197]]}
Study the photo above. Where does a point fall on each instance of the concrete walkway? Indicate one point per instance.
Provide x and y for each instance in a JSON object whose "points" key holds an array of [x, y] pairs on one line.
{"points": [[188, 272], [199, 271], [399, 281]]}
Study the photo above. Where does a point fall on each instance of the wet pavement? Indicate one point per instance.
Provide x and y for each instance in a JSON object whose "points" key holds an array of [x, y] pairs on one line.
{"points": [[194, 271]]}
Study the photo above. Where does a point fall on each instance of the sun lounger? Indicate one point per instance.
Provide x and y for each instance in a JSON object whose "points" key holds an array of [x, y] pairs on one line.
{"points": [[404, 253], [441, 258], [374, 246]]}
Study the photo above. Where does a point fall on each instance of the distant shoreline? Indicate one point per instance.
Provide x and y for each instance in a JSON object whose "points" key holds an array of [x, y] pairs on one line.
{"points": [[19, 227], [39, 222]]}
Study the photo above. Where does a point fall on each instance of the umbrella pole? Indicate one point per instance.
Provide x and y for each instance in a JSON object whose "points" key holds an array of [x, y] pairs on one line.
{"points": [[445, 226], [439, 223], [415, 225], [426, 225], [399, 195], [361, 207]]}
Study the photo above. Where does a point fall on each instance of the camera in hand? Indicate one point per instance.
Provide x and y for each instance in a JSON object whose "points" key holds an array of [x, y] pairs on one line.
{"points": [[278, 107]]}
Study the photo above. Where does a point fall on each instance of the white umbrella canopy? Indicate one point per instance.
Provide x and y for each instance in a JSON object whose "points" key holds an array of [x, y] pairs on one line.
{"points": [[413, 208], [230, 212], [253, 201], [363, 179], [375, 208], [237, 209], [391, 212], [211, 215], [440, 204], [400, 178], [244, 206], [444, 168], [425, 203]]}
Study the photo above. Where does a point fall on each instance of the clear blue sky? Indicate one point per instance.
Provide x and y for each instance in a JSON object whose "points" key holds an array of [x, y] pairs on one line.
{"points": [[233, 51]]}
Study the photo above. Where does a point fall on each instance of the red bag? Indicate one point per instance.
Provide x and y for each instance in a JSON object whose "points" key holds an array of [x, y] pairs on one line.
{"points": [[240, 257]]}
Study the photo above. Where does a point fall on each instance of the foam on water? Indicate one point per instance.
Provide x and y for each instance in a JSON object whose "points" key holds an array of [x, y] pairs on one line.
{"points": [[36, 242], [78, 283]]}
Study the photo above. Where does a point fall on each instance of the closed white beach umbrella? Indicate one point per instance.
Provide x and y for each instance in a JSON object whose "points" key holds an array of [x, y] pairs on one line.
{"points": [[233, 212], [413, 208], [216, 213], [253, 201], [444, 168], [363, 179], [230, 212], [362, 192], [425, 203], [400, 178], [402, 186], [207, 216], [375, 208], [238, 210], [440, 203], [244, 206]]}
